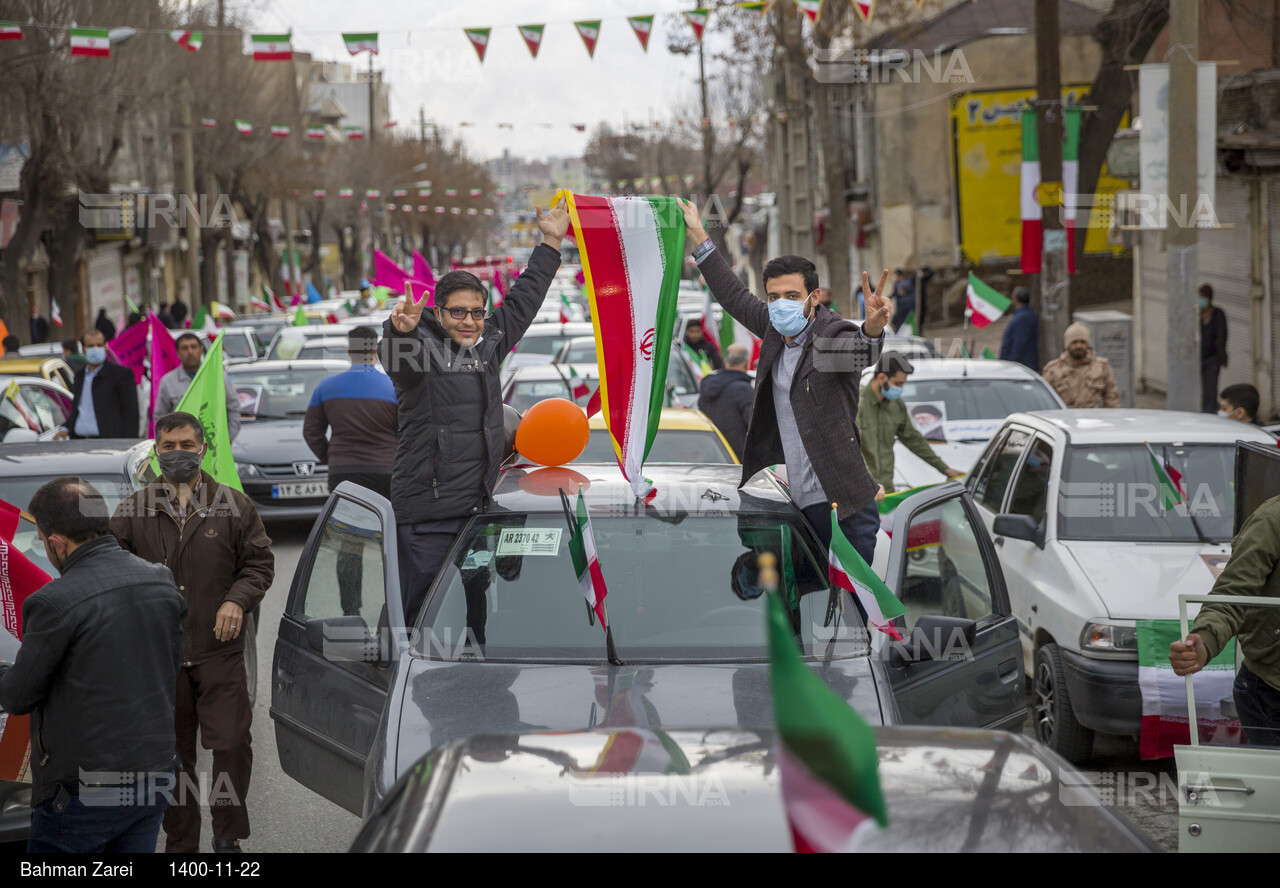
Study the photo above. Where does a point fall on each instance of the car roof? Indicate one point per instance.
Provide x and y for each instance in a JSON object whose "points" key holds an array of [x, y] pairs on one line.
{"points": [[970, 368], [538, 372], [26, 363], [672, 418], [302, 364], [1134, 426], [678, 488], [83, 456], [571, 330]]}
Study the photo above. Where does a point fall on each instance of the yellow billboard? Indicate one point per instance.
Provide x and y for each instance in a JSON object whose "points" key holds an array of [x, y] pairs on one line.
{"points": [[986, 144]]}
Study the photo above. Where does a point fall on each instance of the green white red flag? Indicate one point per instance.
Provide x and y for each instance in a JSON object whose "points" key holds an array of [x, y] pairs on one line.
{"points": [[1165, 721], [346, 192], [208, 122], [827, 760], [55, 313], [643, 26], [1169, 480], [632, 251], [577, 384], [697, 358], [188, 40], [244, 127], [280, 131], [590, 33], [760, 6], [985, 304], [1070, 179], [697, 19], [582, 548], [532, 35], [353, 132], [847, 569], [811, 8], [1032, 234], [358, 43], [565, 310], [91, 42], [272, 47], [479, 38], [315, 133], [866, 8], [10, 31]]}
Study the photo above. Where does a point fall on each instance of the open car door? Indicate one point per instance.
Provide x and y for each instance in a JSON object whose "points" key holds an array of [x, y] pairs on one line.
{"points": [[959, 664], [334, 654]]}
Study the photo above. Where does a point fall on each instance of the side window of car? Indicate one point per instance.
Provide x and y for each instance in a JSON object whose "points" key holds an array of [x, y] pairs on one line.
{"points": [[680, 375], [976, 475], [991, 487], [47, 409], [347, 576], [1031, 490], [945, 573]]}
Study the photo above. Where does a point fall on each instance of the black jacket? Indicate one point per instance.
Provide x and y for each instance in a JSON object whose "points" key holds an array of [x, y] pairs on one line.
{"points": [[98, 668], [451, 434], [115, 401], [824, 394], [709, 350], [726, 397], [1213, 337]]}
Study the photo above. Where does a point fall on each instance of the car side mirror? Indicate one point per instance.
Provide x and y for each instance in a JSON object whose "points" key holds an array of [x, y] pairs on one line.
{"points": [[1019, 527], [934, 638], [15, 436], [344, 639]]}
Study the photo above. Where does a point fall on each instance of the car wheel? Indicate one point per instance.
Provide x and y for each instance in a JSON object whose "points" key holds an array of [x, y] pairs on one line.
{"points": [[251, 656], [1055, 720]]}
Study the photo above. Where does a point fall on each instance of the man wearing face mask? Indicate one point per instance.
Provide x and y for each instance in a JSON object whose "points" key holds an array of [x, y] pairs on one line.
{"points": [[806, 396], [883, 419], [210, 536], [104, 397]]}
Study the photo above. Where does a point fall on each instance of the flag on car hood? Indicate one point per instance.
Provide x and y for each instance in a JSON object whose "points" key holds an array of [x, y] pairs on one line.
{"points": [[847, 569], [1170, 481], [632, 250], [582, 548]]}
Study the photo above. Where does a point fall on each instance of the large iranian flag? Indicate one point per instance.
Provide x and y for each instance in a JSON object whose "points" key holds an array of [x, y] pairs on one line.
{"points": [[827, 760], [1164, 695], [1070, 179], [632, 249], [985, 304], [1032, 236], [847, 569]]}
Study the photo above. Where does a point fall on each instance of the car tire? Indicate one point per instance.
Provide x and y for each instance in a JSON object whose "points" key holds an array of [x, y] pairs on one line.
{"points": [[1053, 716], [251, 656]]}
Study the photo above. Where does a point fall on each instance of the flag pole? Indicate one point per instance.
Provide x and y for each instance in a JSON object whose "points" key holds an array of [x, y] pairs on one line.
{"points": [[610, 652]]}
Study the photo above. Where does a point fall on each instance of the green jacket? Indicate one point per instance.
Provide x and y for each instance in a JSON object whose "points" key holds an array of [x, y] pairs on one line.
{"points": [[1251, 571], [880, 422]]}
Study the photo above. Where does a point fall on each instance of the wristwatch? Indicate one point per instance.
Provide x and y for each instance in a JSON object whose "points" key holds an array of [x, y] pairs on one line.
{"points": [[702, 249]]}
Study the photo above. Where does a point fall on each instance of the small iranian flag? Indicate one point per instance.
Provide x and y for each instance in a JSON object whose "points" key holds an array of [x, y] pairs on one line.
{"points": [[479, 38], [1165, 721], [400, 192], [244, 127], [582, 548], [358, 43], [476, 192], [315, 133], [346, 192], [259, 303], [811, 8], [374, 194], [275, 300], [532, 35], [10, 31], [188, 40], [698, 359], [827, 760], [988, 354], [1032, 237], [590, 33], [576, 383], [93, 42], [1170, 481], [208, 122], [272, 47], [353, 132], [424, 192], [451, 192], [709, 328], [760, 6], [908, 327], [865, 9], [846, 569], [280, 131], [1070, 179], [565, 317], [688, 180], [983, 302], [697, 19], [643, 26], [55, 313]]}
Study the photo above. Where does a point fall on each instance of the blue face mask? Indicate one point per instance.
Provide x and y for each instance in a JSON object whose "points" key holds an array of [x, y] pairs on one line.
{"points": [[1202, 302], [892, 392], [787, 316], [95, 354]]}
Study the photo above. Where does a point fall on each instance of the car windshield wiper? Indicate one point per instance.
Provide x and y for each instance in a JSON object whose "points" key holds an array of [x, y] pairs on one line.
{"points": [[257, 416]]}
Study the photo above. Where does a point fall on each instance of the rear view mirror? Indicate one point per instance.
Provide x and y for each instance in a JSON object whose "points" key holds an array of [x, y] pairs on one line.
{"points": [[343, 639], [1018, 527], [935, 637]]}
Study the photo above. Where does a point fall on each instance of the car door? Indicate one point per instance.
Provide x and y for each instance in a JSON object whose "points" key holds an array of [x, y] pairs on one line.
{"points": [[958, 664], [334, 655]]}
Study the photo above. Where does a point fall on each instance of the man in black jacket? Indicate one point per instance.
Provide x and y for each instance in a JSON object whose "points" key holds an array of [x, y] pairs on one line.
{"points": [[695, 339], [97, 670], [726, 397], [111, 408], [806, 385], [445, 365]]}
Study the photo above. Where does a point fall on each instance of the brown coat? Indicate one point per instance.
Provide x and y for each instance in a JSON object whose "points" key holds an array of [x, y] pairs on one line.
{"points": [[220, 553], [1084, 383]]}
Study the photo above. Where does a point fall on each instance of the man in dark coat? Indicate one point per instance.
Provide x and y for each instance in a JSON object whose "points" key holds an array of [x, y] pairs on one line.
{"points": [[726, 397], [103, 325], [39, 328], [806, 385], [110, 407], [445, 366], [1213, 348], [695, 339], [1021, 340]]}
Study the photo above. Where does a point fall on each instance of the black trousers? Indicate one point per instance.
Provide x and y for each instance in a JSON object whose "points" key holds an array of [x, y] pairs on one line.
{"points": [[1209, 369], [351, 551], [1258, 705], [423, 548]]}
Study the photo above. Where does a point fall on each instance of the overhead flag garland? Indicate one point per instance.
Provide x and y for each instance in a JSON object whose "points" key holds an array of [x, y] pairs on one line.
{"points": [[272, 47], [358, 43], [865, 9], [244, 127], [697, 19], [10, 31], [188, 40], [532, 35], [315, 133], [811, 8], [643, 26], [91, 42], [479, 38], [590, 33], [760, 6], [280, 131], [208, 122]]}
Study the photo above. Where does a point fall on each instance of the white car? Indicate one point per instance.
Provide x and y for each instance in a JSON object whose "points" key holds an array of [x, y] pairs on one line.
{"points": [[1072, 501], [959, 404], [682, 377]]}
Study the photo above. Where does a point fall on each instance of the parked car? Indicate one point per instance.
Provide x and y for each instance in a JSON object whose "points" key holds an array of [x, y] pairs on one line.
{"points": [[288, 341], [31, 407], [684, 436], [542, 342], [503, 642], [961, 404], [638, 788], [276, 467], [1071, 497], [54, 369], [329, 348], [682, 378]]}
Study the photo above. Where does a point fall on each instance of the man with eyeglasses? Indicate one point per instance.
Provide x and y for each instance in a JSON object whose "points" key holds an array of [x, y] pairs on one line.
{"points": [[445, 365]]}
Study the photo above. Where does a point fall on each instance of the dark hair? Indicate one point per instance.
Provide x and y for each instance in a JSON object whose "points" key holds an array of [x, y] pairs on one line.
{"points": [[891, 362], [925, 408], [1242, 395], [693, 322], [362, 340], [12, 343], [93, 331], [784, 265], [72, 344], [171, 421], [1022, 295], [454, 281], [1206, 291], [178, 342], [134, 317], [70, 507]]}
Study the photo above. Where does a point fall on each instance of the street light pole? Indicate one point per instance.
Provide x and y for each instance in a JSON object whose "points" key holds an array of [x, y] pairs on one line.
{"points": [[189, 187], [1181, 238]]}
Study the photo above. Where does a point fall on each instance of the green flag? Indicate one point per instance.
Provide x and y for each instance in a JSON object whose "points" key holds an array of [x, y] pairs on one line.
{"points": [[202, 316], [908, 327], [300, 318], [206, 400], [988, 354], [133, 306], [964, 350]]}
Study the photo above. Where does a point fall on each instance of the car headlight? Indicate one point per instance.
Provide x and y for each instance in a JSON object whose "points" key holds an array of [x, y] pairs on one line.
{"points": [[1109, 637], [247, 470]]}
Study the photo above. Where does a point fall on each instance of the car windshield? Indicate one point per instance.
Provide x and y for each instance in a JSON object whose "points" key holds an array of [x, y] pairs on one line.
{"points": [[238, 345], [276, 394], [972, 409], [543, 345], [1113, 493], [524, 393], [322, 351], [680, 587], [18, 491], [581, 353], [669, 446]]}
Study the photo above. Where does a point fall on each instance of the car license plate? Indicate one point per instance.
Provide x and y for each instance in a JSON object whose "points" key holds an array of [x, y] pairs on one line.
{"points": [[300, 489]]}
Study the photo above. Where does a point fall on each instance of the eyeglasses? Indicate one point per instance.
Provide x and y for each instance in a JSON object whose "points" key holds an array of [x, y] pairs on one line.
{"points": [[477, 314]]}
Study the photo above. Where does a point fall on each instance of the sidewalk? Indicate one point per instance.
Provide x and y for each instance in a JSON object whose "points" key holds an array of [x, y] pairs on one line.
{"points": [[948, 339]]}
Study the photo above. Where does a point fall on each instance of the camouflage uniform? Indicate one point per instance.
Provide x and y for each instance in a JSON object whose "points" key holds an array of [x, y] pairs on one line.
{"points": [[1088, 382]]}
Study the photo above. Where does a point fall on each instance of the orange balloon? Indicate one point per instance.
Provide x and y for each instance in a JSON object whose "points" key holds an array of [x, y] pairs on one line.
{"points": [[552, 432]]}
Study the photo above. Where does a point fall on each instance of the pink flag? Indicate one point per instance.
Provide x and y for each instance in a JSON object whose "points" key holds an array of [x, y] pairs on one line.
{"points": [[164, 357], [386, 273], [422, 271], [130, 349]]}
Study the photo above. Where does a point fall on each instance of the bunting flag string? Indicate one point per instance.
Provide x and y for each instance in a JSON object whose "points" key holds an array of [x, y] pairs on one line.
{"points": [[590, 33], [643, 26], [532, 35], [479, 38], [697, 19], [865, 9]]}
